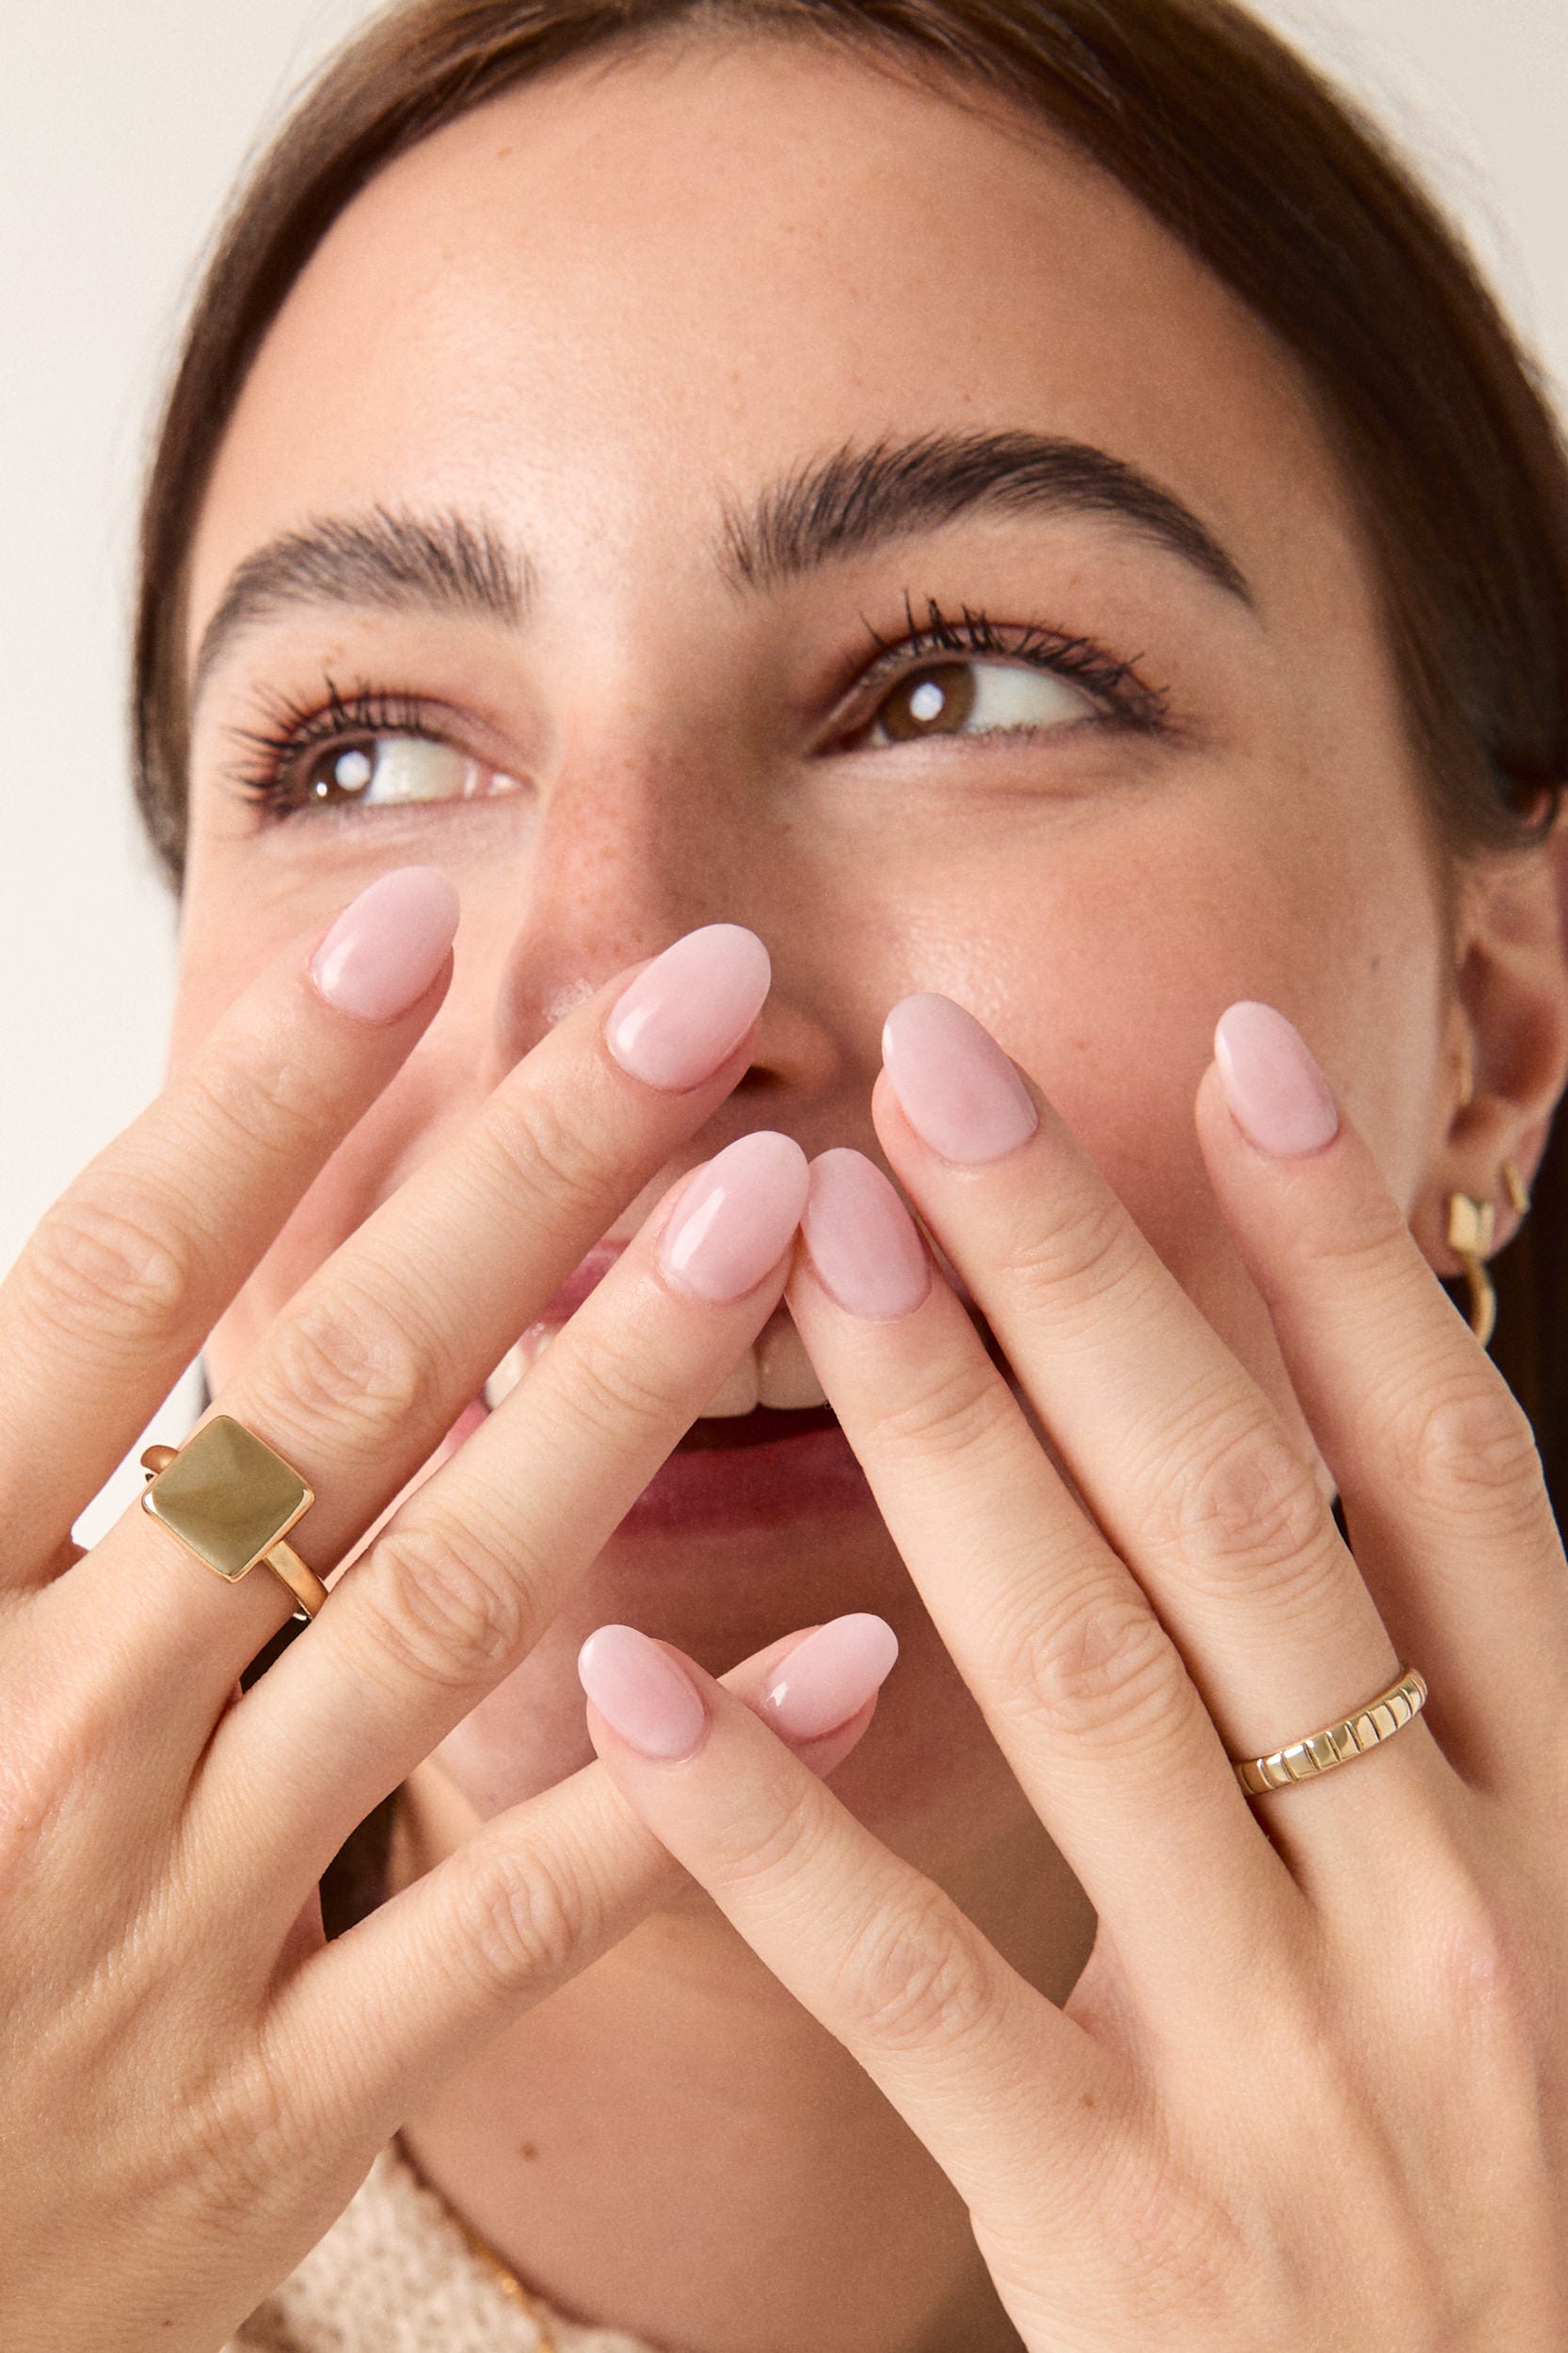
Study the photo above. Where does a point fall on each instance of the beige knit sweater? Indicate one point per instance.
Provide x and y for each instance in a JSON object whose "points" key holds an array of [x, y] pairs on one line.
{"points": [[395, 2274]]}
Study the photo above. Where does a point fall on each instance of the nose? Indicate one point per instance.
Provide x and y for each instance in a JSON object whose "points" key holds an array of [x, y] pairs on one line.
{"points": [[626, 856]]}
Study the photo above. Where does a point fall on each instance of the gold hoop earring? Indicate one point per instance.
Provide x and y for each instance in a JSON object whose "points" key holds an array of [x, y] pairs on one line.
{"points": [[1517, 1191], [1471, 1227]]}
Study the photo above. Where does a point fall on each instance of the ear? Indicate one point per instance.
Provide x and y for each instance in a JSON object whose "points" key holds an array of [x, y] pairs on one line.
{"points": [[1507, 1037]]}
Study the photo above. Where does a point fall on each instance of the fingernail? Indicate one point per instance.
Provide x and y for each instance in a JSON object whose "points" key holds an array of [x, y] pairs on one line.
{"points": [[956, 1086], [829, 1677], [1277, 1095], [684, 1016], [736, 1217], [865, 1250], [388, 944], [641, 1692]]}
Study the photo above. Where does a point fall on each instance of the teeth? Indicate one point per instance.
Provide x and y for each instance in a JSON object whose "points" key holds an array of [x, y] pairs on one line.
{"points": [[516, 1362], [775, 1372], [784, 1376]]}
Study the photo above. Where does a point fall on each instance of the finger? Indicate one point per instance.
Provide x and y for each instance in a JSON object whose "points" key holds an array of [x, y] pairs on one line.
{"points": [[873, 1950], [531, 1900], [1182, 1458], [127, 1274], [1433, 1459], [454, 1592], [367, 1369], [1081, 1686]]}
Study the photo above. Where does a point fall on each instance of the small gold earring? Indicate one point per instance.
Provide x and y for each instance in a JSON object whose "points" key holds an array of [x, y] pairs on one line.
{"points": [[1516, 1190], [1471, 1227]]}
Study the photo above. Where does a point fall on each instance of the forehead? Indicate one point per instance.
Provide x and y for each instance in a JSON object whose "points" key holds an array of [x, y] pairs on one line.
{"points": [[655, 275]]}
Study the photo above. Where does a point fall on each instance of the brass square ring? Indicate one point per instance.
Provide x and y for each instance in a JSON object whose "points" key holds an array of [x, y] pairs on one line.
{"points": [[231, 1500]]}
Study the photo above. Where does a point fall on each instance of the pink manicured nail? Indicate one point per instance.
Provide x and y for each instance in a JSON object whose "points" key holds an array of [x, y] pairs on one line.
{"points": [[1277, 1095], [735, 1220], [957, 1087], [864, 1247], [829, 1677], [388, 944], [684, 1016], [641, 1692]]}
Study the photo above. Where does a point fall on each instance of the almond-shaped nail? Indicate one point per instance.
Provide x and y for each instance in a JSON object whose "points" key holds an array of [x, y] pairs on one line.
{"points": [[830, 1676], [683, 1015], [641, 1693], [1279, 1096], [865, 1249], [956, 1086], [736, 1217], [388, 945]]}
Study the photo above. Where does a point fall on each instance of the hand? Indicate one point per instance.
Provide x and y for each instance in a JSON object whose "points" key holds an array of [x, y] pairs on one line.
{"points": [[1310, 2090], [194, 2084]]}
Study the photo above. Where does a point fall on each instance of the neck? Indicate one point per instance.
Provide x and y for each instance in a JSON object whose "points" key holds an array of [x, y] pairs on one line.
{"points": [[671, 2146]]}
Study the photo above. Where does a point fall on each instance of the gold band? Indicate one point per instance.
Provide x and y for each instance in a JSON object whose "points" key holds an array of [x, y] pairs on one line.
{"points": [[1350, 1736], [231, 1500], [301, 1581]]}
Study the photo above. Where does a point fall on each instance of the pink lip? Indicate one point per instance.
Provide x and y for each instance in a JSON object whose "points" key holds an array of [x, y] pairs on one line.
{"points": [[813, 1476], [583, 1278]]}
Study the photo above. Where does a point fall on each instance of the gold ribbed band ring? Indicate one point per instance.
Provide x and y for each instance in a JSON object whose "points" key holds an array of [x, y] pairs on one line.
{"points": [[1353, 1735]]}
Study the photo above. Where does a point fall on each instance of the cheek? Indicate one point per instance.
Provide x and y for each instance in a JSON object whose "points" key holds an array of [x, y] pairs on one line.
{"points": [[1104, 967]]}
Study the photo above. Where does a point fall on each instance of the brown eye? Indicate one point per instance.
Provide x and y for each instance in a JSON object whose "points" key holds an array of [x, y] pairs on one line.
{"points": [[371, 769], [341, 772], [977, 698], [934, 701]]}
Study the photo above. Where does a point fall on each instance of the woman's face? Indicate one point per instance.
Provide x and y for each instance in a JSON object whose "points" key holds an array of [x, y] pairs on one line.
{"points": [[1094, 739]]}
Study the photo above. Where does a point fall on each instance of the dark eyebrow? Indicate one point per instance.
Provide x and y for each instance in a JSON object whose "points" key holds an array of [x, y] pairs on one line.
{"points": [[851, 501], [383, 561]]}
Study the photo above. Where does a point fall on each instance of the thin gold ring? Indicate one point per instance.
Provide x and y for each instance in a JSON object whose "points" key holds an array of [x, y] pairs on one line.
{"points": [[1353, 1735], [231, 1501]]}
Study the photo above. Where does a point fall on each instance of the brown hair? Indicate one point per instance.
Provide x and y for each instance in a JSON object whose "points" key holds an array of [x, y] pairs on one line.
{"points": [[1229, 139]]}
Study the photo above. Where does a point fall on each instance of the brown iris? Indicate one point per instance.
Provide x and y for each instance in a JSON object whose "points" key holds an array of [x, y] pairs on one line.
{"points": [[341, 771], [934, 701]]}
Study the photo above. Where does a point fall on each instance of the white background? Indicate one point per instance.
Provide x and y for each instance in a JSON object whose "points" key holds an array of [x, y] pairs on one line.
{"points": [[122, 124]]}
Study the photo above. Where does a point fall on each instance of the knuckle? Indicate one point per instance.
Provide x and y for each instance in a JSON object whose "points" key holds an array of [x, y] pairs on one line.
{"points": [[742, 1856], [1372, 1249], [271, 1106], [1083, 1257], [1248, 1508], [344, 1360], [1105, 1670], [438, 1610], [523, 1923], [946, 1410], [109, 1255], [917, 1983], [1466, 1442], [239, 2136], [606, 1384], [44, 1764], [537, 1141], [1479, 1977]]}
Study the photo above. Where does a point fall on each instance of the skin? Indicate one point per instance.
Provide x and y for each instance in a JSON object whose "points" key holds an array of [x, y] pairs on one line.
{"points": [[509, 325]]}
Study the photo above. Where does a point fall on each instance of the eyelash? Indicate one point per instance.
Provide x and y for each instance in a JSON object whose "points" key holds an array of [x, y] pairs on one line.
{"points": [[294, 732], [1126, 699]]}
